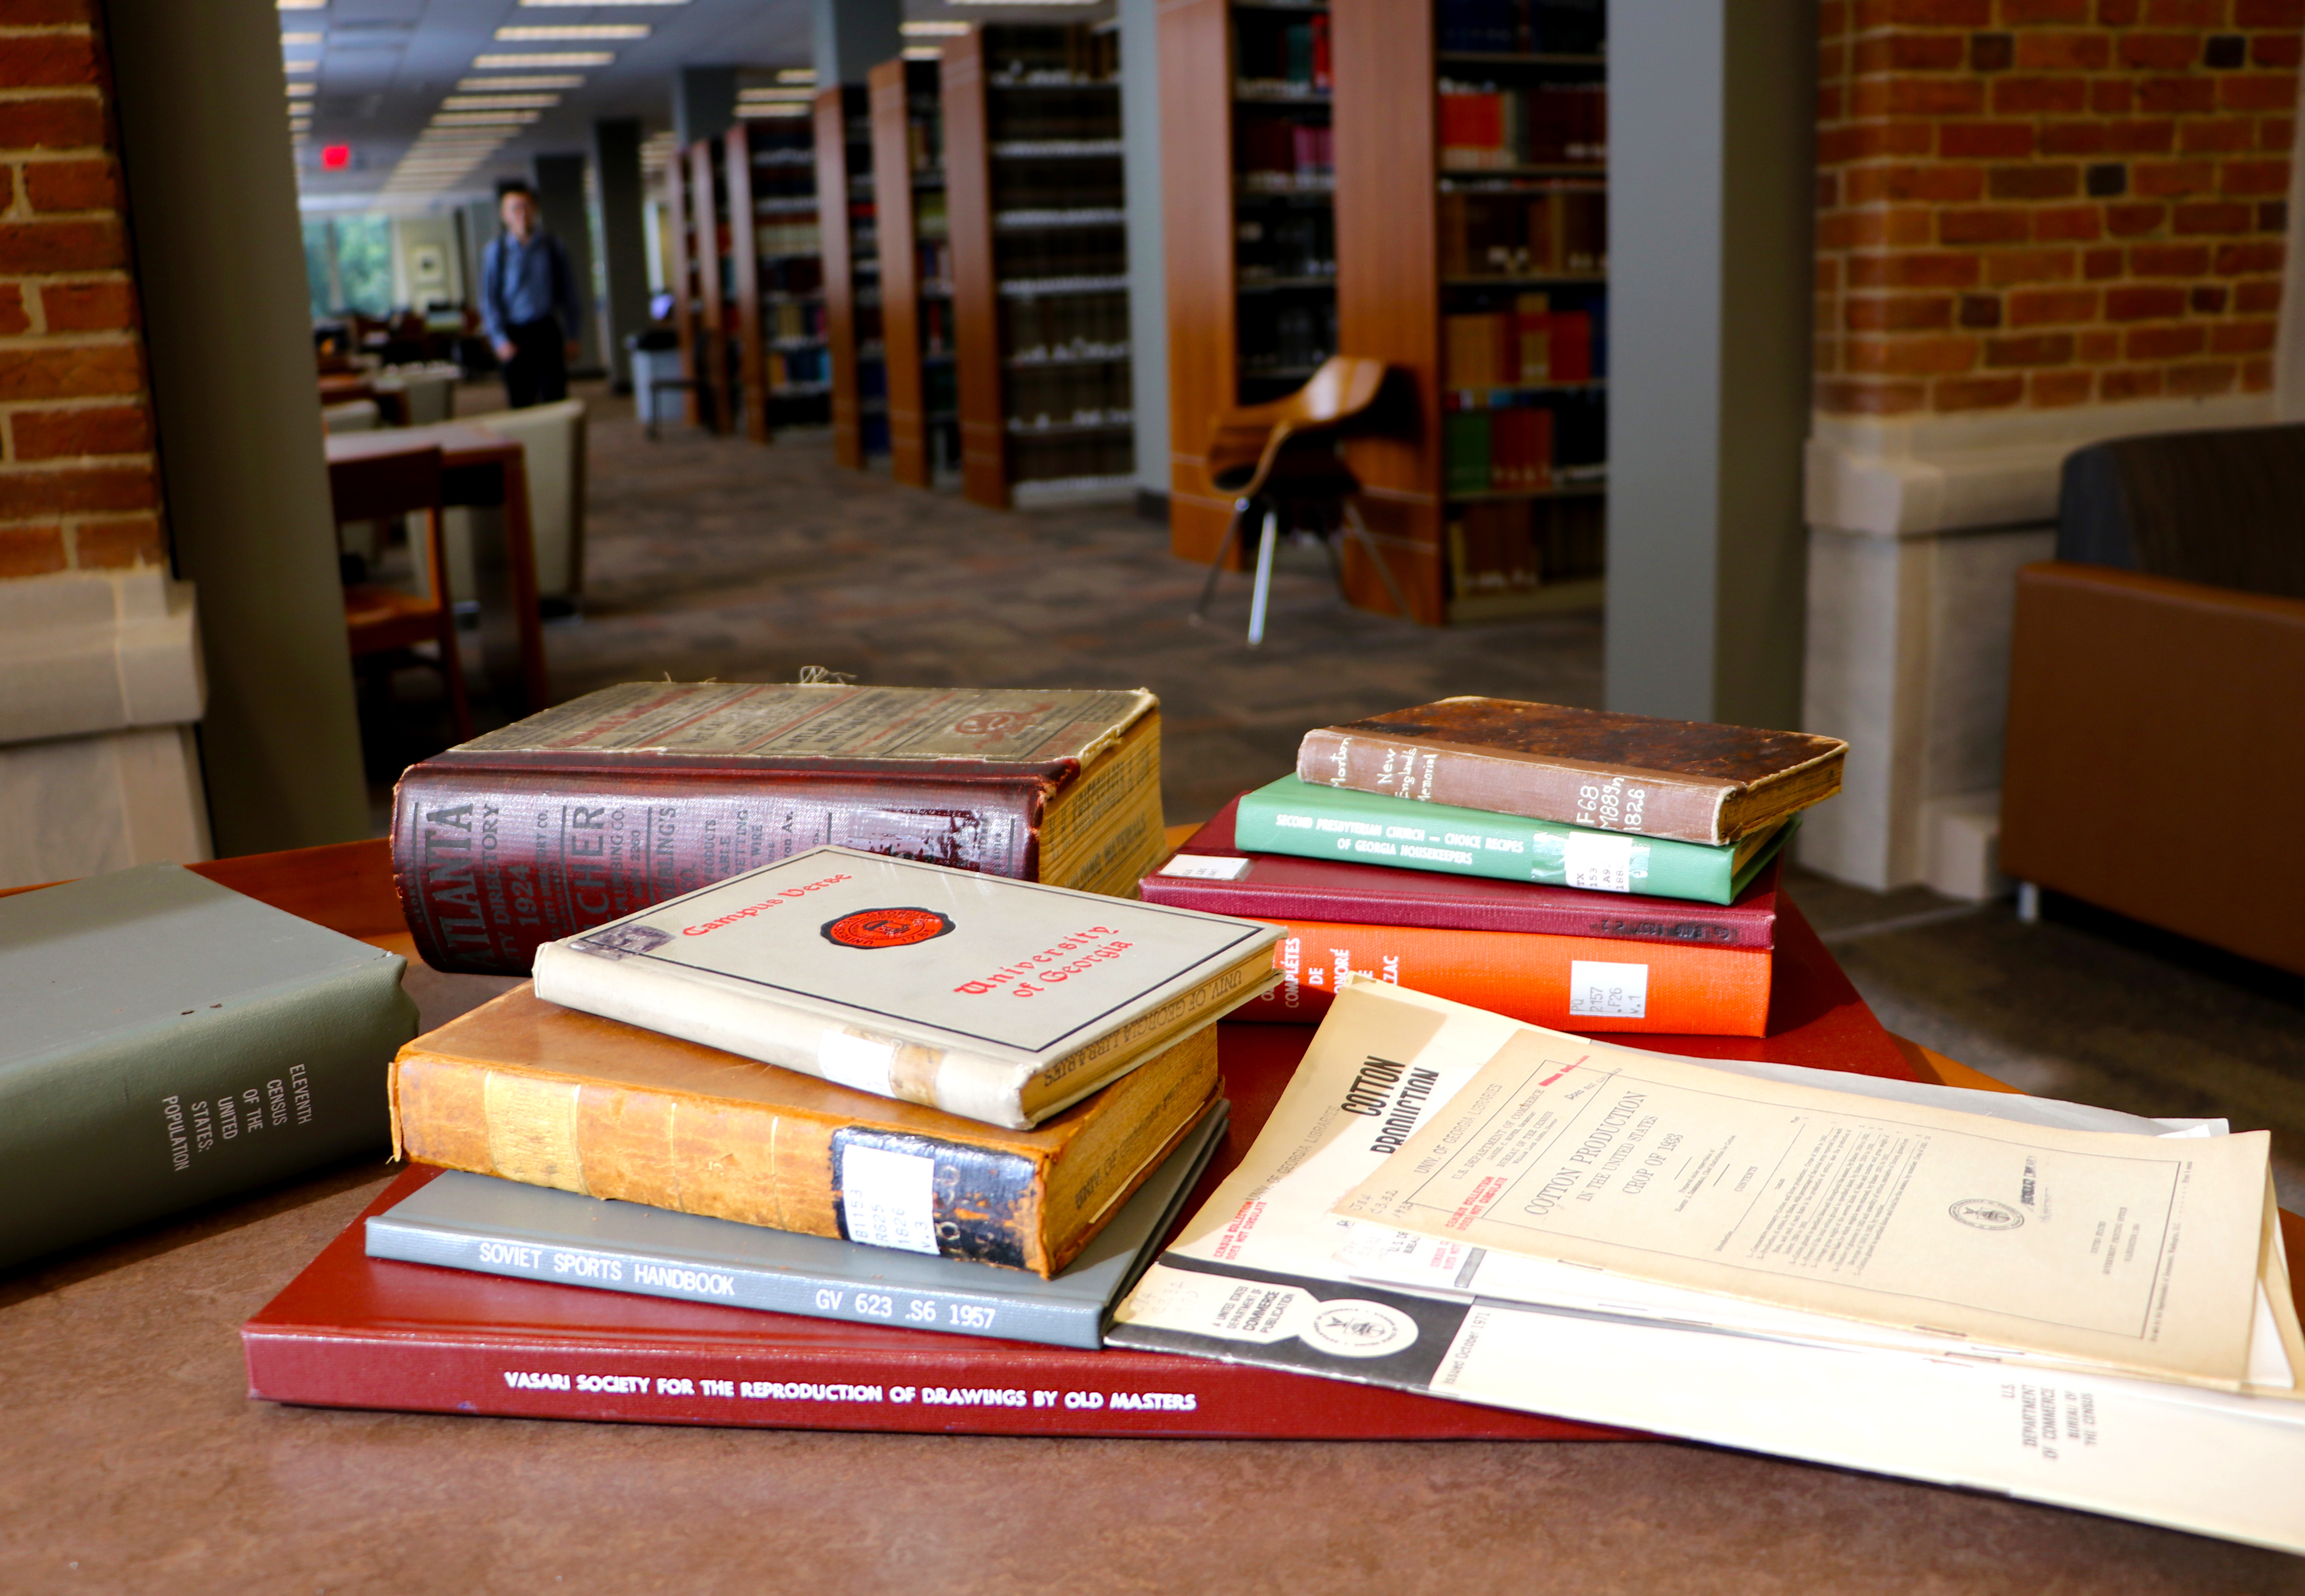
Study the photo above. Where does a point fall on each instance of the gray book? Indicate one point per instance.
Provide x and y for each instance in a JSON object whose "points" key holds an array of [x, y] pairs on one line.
{"points": [[170, 1042], [536, 1233]]}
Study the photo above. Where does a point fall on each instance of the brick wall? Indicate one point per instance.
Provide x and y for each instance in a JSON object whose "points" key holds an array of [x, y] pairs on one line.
{"points": [[2034, 203], [78, 481]]}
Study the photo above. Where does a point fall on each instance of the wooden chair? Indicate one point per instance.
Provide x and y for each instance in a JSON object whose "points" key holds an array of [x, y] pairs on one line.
{"points": [[383, 620], [1281, 457]]}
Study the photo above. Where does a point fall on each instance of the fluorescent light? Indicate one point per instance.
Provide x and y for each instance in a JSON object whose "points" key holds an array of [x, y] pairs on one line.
{"points": [[541, 58], [752, 110], [574, 30], [301, 38], [499, 102], [597, 4], [924, 52], [485, 118], [932, 29], [302, 90], [534, 81], [299, 4], [748, 96], [302, 66], [796, 74]]}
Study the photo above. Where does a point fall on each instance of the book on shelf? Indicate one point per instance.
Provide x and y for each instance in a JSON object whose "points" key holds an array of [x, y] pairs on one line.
{"points": [[535, 1233], [1696, 782], [1295, 816], [1502, 548], [170, 1041], [1501, 442], [1211, 873], [1265, 1275], [633, 794], [1530, 346], [1556, 231], [1483, 128], [1520, 27]]}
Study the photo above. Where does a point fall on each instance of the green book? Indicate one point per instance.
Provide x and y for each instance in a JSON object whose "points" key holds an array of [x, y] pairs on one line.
{"points": [[1465, 451], [1291, 816], [170, 1041]]}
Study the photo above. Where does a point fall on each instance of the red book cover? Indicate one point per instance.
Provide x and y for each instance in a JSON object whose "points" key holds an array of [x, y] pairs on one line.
{"points": [[1572, 346], [1323, 76], [1472, 122], [1276, 887]]}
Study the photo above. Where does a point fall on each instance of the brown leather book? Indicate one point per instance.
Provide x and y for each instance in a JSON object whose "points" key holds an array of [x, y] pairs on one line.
{"points": [[531, 1091], [1692, 781]]}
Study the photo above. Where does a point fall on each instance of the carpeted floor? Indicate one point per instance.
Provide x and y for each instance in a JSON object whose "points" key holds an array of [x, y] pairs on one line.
{"points": [[711, 558]]}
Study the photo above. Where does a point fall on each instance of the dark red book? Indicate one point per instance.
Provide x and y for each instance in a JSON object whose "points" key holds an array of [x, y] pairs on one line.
{"points": [[1274, 887], [352, 1332]]}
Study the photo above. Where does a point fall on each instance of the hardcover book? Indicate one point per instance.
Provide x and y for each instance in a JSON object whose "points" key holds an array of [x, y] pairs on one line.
{"points": [[170, 1042], [551, 1097], [504, 1227], [997, 1000], [1212, 874], [1686, 780], [1293, 816], [633, 794]]}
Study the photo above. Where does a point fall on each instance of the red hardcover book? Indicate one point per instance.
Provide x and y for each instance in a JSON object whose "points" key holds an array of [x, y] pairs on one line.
{"points": [[1323, 75], [352, 1332], [1572, 346], [1276, 887]]}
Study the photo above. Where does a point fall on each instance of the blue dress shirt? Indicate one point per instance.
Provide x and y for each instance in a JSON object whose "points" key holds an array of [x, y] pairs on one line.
{"points": [[524, 283]]}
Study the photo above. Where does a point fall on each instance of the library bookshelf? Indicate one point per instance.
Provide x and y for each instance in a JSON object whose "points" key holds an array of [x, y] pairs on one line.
{"points": [[916, 271], [1035, 207], [789, 376], [701, 241], [853, 274]]}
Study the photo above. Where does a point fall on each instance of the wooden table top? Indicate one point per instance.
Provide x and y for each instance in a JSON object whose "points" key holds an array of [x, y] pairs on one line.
{"points": [[460, 443], [133, 1461]]}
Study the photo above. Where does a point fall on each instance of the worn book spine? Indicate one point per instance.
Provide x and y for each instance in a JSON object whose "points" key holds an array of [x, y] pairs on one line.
{"points": [[1566, 983], [492, 859], [1649, 804], [205, 1105]]}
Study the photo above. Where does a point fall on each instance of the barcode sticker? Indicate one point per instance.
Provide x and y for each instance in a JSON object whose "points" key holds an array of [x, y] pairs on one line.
{"points": [[1599, 862], [1205, 867], [856, 1061], [1603, 991], [885, 1198]]}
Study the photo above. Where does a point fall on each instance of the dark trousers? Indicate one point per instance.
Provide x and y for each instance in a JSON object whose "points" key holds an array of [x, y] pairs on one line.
{"points": [[537, 371]]}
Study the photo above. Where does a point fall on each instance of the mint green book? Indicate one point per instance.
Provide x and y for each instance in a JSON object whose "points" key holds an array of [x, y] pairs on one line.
{"points": [[169, 1043], [1291, 816]]}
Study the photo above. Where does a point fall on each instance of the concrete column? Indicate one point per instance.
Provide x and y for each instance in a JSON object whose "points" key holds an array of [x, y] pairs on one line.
{"points": [[853, 37], [1710, 118], [1148, 282], [703, 103], [560, 191], [220, 264], [623, 239]]}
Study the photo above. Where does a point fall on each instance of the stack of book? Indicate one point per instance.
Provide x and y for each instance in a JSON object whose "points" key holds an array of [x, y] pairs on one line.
{"points": [[1564, 867]]}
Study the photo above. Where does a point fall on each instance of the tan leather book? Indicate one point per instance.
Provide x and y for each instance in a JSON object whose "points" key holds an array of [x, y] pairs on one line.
{"points": [[1691, 781], [531, 1091]]}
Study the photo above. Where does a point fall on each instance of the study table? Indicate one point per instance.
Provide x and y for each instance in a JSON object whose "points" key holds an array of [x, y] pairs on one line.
{"points": [[132, 1460], [482, 469]]}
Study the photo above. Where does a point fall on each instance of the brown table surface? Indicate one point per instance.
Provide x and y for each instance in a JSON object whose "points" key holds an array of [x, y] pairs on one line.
{"points": [[482, 467], [132, 1460]]}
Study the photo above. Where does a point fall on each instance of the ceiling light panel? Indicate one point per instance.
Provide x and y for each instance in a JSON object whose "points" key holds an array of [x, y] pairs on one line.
{"points": [[544, 58], [499, 102], [290, 41], [932, 29], [520, 84], [576, 30], [484, 118]]}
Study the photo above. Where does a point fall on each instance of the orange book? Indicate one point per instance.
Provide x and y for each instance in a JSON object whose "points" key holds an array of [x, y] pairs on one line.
{"points": [[1568, 983]]}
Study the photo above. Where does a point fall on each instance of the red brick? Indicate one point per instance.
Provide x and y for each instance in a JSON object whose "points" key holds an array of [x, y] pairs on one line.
{"points": [[1898, 312], [2269, 14], [72, 185], [2017, 97], [1832, 19], [68, 122], [2218, 135], [107, 305], [13, 317], [46, 13], [2204, 378], [2145, 136], [2257, 91], [2100, 264], [1928, 97], [2131, 221], [1999, 225], [1931, 13], [2112, 97], [1917, 269], [1829, 107], [1940, 182], [47, 60], [2073, 138], [2019, 14], [2168, 179], [2051, 388], [1985, 140], [80, 371], [2263, 298], [2166, 343], [2045, 307], [2142, 303], [1911, 357], [66, 246], [1826, 275], [1824, 355], [57, 434], [31, 550], [2049, 51], [134, 541], [2034, 181], [2261, 255], [2273, 215], [1977, 393], [2257, 375], [2005, 266], [1909, 226], [2129, 385], [2175, 96], [2255, 177], [2169, 260], [2160, 52], [2213, 215], [1845, 230], [2206, 298], [76, 490], [2277, 134], [2184, 14], [1906, 52], [2098, 347], [2076, 224], [2276, 50], [2241, 337], [2032, 349], [1870, 398], [2118, 14], [1980, 311]]}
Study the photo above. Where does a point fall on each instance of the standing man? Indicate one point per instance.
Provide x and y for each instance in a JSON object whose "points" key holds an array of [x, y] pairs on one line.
{"points": [[528, 302]]}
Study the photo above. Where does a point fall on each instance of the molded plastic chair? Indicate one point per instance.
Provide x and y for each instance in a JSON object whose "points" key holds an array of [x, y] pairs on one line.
{"points": [[1281, 456], [380, 619]]}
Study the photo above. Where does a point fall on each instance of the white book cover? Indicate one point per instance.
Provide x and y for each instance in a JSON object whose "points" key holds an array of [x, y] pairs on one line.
{"points": [[999, 1000]]}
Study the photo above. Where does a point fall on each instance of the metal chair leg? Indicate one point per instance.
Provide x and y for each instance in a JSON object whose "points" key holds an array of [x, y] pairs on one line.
{"points": [[1263, 575], [1216, 567], [1357, 528]]}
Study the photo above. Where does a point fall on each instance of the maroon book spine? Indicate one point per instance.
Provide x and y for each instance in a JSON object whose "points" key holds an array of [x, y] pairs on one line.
{"points": [[1274, 887], [493, 858]]}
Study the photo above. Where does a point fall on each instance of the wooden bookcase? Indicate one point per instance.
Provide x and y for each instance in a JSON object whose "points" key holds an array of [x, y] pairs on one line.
{"points": [[786, 241], [742, 289], [1035, 201], [854, 290], [704, 312], [1248, 201], [688, 295], [908, 178]]}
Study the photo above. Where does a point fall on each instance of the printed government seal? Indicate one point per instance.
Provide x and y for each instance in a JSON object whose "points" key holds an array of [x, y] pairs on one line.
{"points": [[1351, 1328], [1983, 1213], [886, 928]]}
